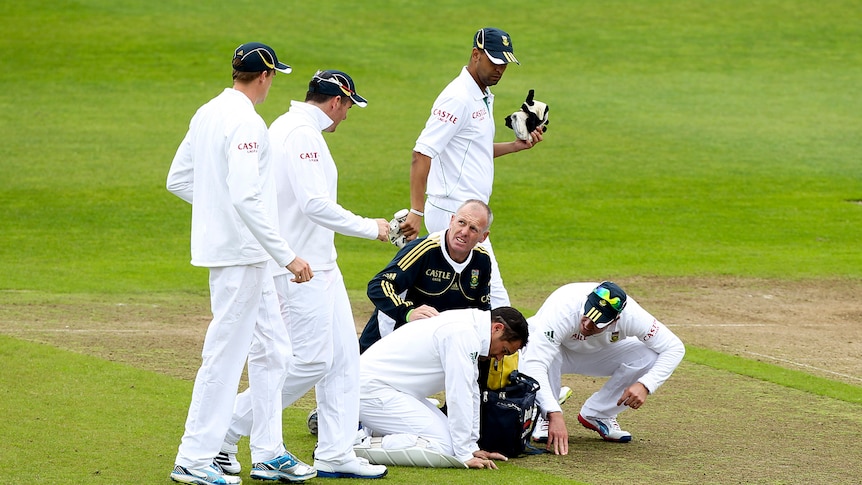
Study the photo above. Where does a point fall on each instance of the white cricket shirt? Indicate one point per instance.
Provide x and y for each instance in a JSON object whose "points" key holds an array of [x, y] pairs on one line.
{"points": [[459, 139], [556, 328], [222, 167], [307, 185], [437, 354]]}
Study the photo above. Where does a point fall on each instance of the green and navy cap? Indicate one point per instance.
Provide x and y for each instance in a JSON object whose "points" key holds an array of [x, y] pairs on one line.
{"points": [[496, 44], [605, 303], [336, 83], [257, 57]]}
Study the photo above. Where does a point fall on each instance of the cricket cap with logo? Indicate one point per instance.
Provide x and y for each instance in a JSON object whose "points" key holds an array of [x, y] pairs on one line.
{"points": [[496, 44], [257, 57], [605, 303], [336, 83]]}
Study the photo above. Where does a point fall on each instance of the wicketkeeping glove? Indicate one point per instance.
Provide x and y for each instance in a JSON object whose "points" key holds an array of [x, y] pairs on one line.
{"points": [[395, 235], [533, 115]]}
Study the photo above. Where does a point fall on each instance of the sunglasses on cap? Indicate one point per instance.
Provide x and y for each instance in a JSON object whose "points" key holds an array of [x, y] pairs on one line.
{"points": [[340, 81]]}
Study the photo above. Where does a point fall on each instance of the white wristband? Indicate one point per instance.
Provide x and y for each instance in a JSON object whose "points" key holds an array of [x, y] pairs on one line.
{"points": [[414, 211]]}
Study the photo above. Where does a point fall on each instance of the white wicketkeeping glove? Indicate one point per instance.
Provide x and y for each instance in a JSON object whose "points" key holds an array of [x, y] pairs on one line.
{"points": [[533, 115], [395, 235]]}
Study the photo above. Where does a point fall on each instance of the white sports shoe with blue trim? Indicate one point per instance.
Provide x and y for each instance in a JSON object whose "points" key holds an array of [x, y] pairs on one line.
{"points": [[608, 428], [210, 475], [286, 468], [360, 468]]}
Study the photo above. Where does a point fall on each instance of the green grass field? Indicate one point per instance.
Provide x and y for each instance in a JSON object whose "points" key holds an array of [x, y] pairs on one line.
{"points": [[687, 137]]}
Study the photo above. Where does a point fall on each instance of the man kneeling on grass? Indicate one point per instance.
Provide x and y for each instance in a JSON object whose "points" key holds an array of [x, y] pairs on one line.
{"points": [[415, 361]]}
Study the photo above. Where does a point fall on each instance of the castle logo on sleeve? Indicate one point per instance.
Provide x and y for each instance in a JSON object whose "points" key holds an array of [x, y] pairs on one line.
{"points": [[247, 146], [444, 116], [652, 331], [310, 156]]}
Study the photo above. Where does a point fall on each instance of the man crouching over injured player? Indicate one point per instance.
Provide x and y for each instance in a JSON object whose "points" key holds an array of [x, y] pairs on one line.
{"points": [[416, 361]]}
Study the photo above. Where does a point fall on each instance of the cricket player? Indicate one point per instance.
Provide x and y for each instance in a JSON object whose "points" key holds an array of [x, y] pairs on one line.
{"points": [[446, 270], [453, 159], [398, 372], [222, 167], [325, 350], [596, 330]]}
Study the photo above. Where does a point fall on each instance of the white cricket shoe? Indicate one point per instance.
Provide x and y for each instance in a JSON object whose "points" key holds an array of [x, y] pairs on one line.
{"points": [[285, 468], [565, 394], [210, 475], [226, 459], [360, 468], [608, 428], [540, 432]]}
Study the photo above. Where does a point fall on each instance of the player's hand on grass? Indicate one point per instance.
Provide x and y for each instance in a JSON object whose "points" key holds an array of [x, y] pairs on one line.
{"points": [[558, 435], [485, 459], [301, 270]]}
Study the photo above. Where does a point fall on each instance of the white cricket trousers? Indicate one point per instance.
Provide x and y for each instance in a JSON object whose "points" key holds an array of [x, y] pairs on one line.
{"points": [[624, 362], [437, 218], [324, 355], [245, 325], [397, 413]]}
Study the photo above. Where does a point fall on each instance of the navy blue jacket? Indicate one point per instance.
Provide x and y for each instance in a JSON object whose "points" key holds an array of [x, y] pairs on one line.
{"points": [[423, 274]]}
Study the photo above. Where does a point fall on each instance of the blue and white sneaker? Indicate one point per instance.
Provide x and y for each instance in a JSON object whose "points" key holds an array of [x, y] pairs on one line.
{"points": [[210, 475], [360, 468], [608, 428], [286, 468]]}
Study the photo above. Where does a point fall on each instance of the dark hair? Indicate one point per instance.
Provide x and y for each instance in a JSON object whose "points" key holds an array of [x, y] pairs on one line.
{"points": [[514, 322], [320, 98], [247, 77]]}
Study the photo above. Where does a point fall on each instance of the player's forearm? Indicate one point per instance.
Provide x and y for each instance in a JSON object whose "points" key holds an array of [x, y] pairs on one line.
{"points": [[537, 365], [419, 169], [331, 215], [384, 295], [181, 182], [266, 234], [463, 423], [504, 148], [181, 175], [663, 367]]}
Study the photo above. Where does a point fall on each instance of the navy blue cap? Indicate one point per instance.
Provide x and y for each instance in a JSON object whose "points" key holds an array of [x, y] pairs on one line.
{"points": [[257, 57], [496, 44], [336, 83], [605, 303]]}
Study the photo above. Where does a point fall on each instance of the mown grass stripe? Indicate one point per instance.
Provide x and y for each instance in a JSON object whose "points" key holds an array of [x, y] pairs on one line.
{"points": [[775, 374]]}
